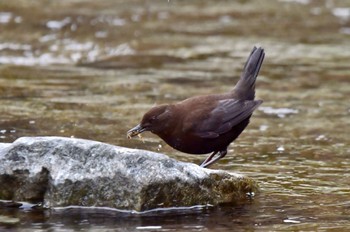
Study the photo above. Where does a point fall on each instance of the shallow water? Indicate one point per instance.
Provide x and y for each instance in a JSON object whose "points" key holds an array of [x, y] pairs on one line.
{"points": [[91, 69]]}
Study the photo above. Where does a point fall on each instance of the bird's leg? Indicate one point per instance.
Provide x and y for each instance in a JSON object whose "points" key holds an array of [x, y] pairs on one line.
{"points": [[208, 158], [211, 161]]}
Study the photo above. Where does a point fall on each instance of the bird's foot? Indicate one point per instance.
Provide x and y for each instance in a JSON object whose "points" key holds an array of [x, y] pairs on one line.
{"points": [[209, 160]]}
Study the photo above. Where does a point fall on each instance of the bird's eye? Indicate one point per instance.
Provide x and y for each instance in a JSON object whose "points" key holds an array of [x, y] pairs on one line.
{"points": [[152, 119]]}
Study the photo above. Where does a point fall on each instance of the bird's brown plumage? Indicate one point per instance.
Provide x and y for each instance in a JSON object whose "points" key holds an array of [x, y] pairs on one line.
{"points": [[208, 123]]}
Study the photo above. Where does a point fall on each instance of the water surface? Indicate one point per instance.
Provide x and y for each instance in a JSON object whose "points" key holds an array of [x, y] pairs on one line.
{"points": [[90, 70]]}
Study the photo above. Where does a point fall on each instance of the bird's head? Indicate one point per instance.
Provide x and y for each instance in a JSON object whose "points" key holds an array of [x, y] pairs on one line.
{"points": [[155, 121]]}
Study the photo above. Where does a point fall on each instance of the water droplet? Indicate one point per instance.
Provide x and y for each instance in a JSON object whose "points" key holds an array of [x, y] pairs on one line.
{"points": [[280, 112], [291, 221], [280, 148], [321, 138], [263, 127], [5, 17], [250, 194]]}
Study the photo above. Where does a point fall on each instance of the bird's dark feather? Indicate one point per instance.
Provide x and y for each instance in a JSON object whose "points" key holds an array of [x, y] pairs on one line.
{"points": [[227, 114]]}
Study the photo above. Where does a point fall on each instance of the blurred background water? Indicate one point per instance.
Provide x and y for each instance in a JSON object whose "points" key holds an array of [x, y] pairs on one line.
{"points": [[90, 69]]}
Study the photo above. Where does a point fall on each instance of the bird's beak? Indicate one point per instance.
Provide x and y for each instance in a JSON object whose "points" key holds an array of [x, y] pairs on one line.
{"points": [[135, 131]]}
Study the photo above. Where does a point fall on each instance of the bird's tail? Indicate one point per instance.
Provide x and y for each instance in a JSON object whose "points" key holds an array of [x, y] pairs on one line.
{"points": [[245, 88]]}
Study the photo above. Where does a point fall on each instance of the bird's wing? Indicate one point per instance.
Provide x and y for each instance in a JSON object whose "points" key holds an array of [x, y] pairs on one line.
{"points": [[227, 114]]}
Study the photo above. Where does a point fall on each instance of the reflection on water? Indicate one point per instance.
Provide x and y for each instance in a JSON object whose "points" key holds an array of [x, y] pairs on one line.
{"points": [[91, 69]]}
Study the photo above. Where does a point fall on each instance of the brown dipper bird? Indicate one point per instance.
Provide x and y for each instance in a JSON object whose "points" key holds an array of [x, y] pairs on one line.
{"points": [[208, 123]]}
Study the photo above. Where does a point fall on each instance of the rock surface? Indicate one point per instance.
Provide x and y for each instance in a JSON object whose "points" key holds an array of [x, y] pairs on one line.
{"points": [[59, 171]]}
